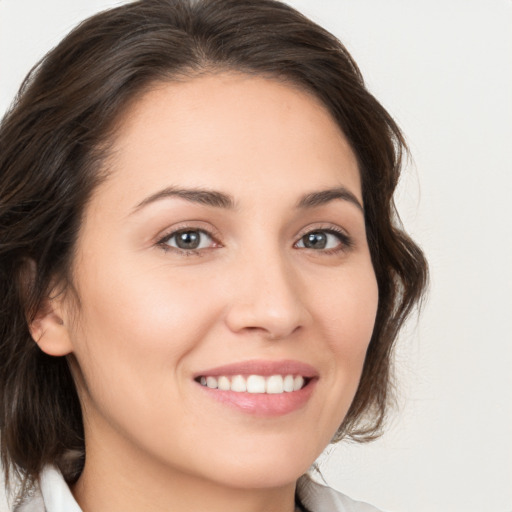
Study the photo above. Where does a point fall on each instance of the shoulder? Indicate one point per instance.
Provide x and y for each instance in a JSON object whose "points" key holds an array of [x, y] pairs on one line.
{"points": [[319, 498]]}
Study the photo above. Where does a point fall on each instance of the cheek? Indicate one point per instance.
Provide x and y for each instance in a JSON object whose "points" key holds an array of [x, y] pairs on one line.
{"points": [[348, 307], [134, 324], [133, 335]]}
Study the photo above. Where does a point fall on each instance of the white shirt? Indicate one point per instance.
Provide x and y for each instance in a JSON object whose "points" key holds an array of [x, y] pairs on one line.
{"points": [[54, 495]]}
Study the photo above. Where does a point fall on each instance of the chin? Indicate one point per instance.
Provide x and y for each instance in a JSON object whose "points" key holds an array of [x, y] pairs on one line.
{"points": [[267, 477], [263, 468]]}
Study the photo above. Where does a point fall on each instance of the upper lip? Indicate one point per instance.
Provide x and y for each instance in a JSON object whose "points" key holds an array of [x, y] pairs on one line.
{"points": [[261, 367]]}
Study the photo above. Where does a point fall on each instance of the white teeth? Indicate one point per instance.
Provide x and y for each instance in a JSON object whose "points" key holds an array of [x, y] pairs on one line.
{"points": [[224, 383], [288, 383], [275, 384], [298, 382], [256, 384], [211, 382], [238, 384]]}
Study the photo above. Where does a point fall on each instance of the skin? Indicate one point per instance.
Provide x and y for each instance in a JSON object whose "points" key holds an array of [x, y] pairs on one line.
{"points": [[151, 315]]}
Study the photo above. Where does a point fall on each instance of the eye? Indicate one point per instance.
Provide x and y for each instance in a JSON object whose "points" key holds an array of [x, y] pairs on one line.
{"points": [[188, 240], [324, 240]]}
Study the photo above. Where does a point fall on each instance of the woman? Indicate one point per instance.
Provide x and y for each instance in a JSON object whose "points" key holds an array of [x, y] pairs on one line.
{"points": [[202, 273]]}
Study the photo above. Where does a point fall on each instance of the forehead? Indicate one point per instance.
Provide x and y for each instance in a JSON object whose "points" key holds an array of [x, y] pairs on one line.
{"points": [[234, 132]]}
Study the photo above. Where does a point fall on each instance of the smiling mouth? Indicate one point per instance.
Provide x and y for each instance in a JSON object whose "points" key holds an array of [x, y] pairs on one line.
{"points": [[255, 384]]}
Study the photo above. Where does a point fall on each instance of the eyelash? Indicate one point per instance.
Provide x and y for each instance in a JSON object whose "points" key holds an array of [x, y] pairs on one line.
{"points": [[163, 242], [346, 242]]}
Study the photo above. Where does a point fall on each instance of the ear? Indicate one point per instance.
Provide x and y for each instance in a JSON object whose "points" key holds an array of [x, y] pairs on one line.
{"points": [[48, 326], [49, 330]]}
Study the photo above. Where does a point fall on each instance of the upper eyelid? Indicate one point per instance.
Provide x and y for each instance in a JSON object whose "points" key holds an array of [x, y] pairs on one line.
{"points": [[187, 226], [332, 228], [343, 237]]}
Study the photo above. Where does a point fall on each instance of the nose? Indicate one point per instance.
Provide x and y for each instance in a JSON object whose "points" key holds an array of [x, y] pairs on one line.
{"points": [[266, 299]]}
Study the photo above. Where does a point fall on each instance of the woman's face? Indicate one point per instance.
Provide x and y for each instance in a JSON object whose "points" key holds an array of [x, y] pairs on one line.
{"points": [[228, 241]]}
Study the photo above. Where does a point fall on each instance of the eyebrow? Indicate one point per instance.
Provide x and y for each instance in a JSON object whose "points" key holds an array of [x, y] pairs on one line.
{"points": [[218, 199], [195, 195], [322, 197]]}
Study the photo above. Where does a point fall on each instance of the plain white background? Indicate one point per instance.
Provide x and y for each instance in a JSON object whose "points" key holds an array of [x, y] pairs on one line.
{"points": [[444, 71]]}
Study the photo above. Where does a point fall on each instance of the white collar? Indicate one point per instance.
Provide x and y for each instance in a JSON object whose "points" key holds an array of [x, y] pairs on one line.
{"points": [[56, 496]]}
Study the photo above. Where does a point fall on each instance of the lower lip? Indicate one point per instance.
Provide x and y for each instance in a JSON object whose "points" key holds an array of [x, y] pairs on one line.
{"points": [[263, 404]]}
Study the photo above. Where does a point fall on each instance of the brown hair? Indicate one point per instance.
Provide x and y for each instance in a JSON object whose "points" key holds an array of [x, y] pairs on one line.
{"points": [[53, 141]]}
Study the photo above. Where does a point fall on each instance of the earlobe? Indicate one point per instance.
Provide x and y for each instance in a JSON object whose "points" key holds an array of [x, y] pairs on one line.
{"points": [[49, 330]]}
